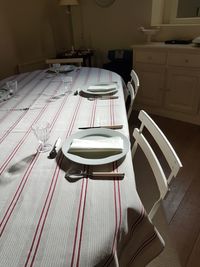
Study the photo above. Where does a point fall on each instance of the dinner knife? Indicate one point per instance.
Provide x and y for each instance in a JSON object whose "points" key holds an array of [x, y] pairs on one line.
{"points": [[114, 127], [54, 150]]}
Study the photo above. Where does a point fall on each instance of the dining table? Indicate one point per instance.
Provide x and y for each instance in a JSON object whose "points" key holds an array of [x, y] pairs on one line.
{"points": [[48, 218]]}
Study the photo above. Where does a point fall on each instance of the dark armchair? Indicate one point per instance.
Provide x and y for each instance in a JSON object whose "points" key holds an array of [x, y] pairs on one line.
{"points": [[120, 61]]}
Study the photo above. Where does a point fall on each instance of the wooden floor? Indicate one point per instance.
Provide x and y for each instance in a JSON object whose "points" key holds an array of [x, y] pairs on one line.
{"points": [[182, 205]]}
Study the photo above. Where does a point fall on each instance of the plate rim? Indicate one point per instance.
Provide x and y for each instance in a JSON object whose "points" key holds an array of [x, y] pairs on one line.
{"points": [[95, 131], [100, 93]]}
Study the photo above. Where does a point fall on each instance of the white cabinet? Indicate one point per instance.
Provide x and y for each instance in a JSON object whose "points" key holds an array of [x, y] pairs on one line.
{"points": [[169, 80], [182, 91], [150, 93]]}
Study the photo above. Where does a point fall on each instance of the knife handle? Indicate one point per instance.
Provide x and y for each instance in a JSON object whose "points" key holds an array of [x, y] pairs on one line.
{"points": [[113, 126], [107, 174], [120, 126]]}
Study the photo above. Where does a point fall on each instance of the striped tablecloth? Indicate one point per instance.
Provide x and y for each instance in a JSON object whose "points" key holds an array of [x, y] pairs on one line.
{"points": [[46, 220]]}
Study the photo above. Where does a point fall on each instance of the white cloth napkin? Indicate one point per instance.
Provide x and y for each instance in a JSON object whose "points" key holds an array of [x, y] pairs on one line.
{"points": [[109, 144], [102, 87]]}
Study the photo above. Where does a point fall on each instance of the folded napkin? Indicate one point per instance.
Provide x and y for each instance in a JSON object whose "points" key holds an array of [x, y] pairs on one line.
{"points": [[102, 87], [110, 145]]}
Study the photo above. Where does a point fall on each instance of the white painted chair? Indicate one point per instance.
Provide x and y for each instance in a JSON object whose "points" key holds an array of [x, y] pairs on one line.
{"points": [[131, 97], [132, 86], [170, 155], [75, 61], [135, 81]]}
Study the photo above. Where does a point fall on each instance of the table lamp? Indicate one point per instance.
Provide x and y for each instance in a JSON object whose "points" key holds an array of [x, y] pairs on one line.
{"points": [[68, 4]]}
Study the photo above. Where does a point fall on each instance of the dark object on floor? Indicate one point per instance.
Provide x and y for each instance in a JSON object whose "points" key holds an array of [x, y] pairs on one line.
{"points": [[120, 62]]}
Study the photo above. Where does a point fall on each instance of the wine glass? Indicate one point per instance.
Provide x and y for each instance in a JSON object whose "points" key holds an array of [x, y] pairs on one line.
{"points": [[42, 132], [56, 68], [67, 81], [12, 87]]}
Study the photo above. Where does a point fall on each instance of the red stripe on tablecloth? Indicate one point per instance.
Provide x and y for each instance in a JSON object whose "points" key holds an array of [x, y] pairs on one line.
{"points": [[23, 114], [48, 198], [77, 223], [17, 194], [20, 101], [12, 154], [118, 211], [55, 178], [29, 172], [86, 187], [58, 170], [80, 199], [144, 244]]}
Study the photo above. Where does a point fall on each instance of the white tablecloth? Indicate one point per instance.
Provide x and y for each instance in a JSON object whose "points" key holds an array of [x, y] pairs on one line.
{"points": [[46, 220]]}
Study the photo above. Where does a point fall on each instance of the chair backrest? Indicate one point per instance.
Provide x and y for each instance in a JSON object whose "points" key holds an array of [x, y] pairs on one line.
{"points": [[75, 61], [31, 65], [135, 81], [155, 166], [132, 87], [167, 150], [130, 99], [163, 143]]}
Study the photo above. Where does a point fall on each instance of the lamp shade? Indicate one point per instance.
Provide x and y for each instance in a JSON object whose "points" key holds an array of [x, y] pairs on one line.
{"points": [[68, 2]]}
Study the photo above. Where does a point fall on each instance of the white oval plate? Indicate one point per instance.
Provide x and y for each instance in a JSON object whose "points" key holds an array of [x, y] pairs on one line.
{"points": [[92, 134], [111, 92]]}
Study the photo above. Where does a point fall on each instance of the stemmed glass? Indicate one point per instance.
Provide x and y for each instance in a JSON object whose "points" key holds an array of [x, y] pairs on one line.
{"points": [[42, 132], [56, 68], [67, 81], [12, 87]]}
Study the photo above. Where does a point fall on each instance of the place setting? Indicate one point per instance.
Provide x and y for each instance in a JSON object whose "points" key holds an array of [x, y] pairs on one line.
{"points": [[102, 91], [58, 68], [96, 146], [8, 90]]}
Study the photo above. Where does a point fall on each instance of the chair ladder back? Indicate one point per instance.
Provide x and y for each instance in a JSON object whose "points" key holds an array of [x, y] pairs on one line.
{"points": [[131, 93], [166, 148], [159, 175], [135, 81]]}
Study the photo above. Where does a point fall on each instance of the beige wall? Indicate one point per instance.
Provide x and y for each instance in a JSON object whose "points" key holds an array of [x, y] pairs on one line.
{"points": [[112, 27], [29, 30], [34, 29]]}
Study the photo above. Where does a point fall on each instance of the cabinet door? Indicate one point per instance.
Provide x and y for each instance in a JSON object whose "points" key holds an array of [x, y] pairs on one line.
{"points": [[182, 92], [151, 84]]}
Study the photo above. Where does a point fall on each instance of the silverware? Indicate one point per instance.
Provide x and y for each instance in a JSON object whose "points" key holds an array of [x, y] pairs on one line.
{"points": [[105, 126], [53, 152], [102, 98], [78, 174]]}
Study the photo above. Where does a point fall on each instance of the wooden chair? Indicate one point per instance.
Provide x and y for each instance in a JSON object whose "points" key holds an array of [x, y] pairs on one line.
{"points": [[75, 61], [132, 86], [167, 150]]}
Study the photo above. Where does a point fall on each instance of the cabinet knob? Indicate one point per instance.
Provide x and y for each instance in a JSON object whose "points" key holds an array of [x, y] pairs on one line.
{"points": [[186, 60]]}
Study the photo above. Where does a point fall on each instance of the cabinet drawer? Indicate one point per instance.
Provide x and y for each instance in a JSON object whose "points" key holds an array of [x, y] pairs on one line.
{"points": [[184, 60], [150, 57]]}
